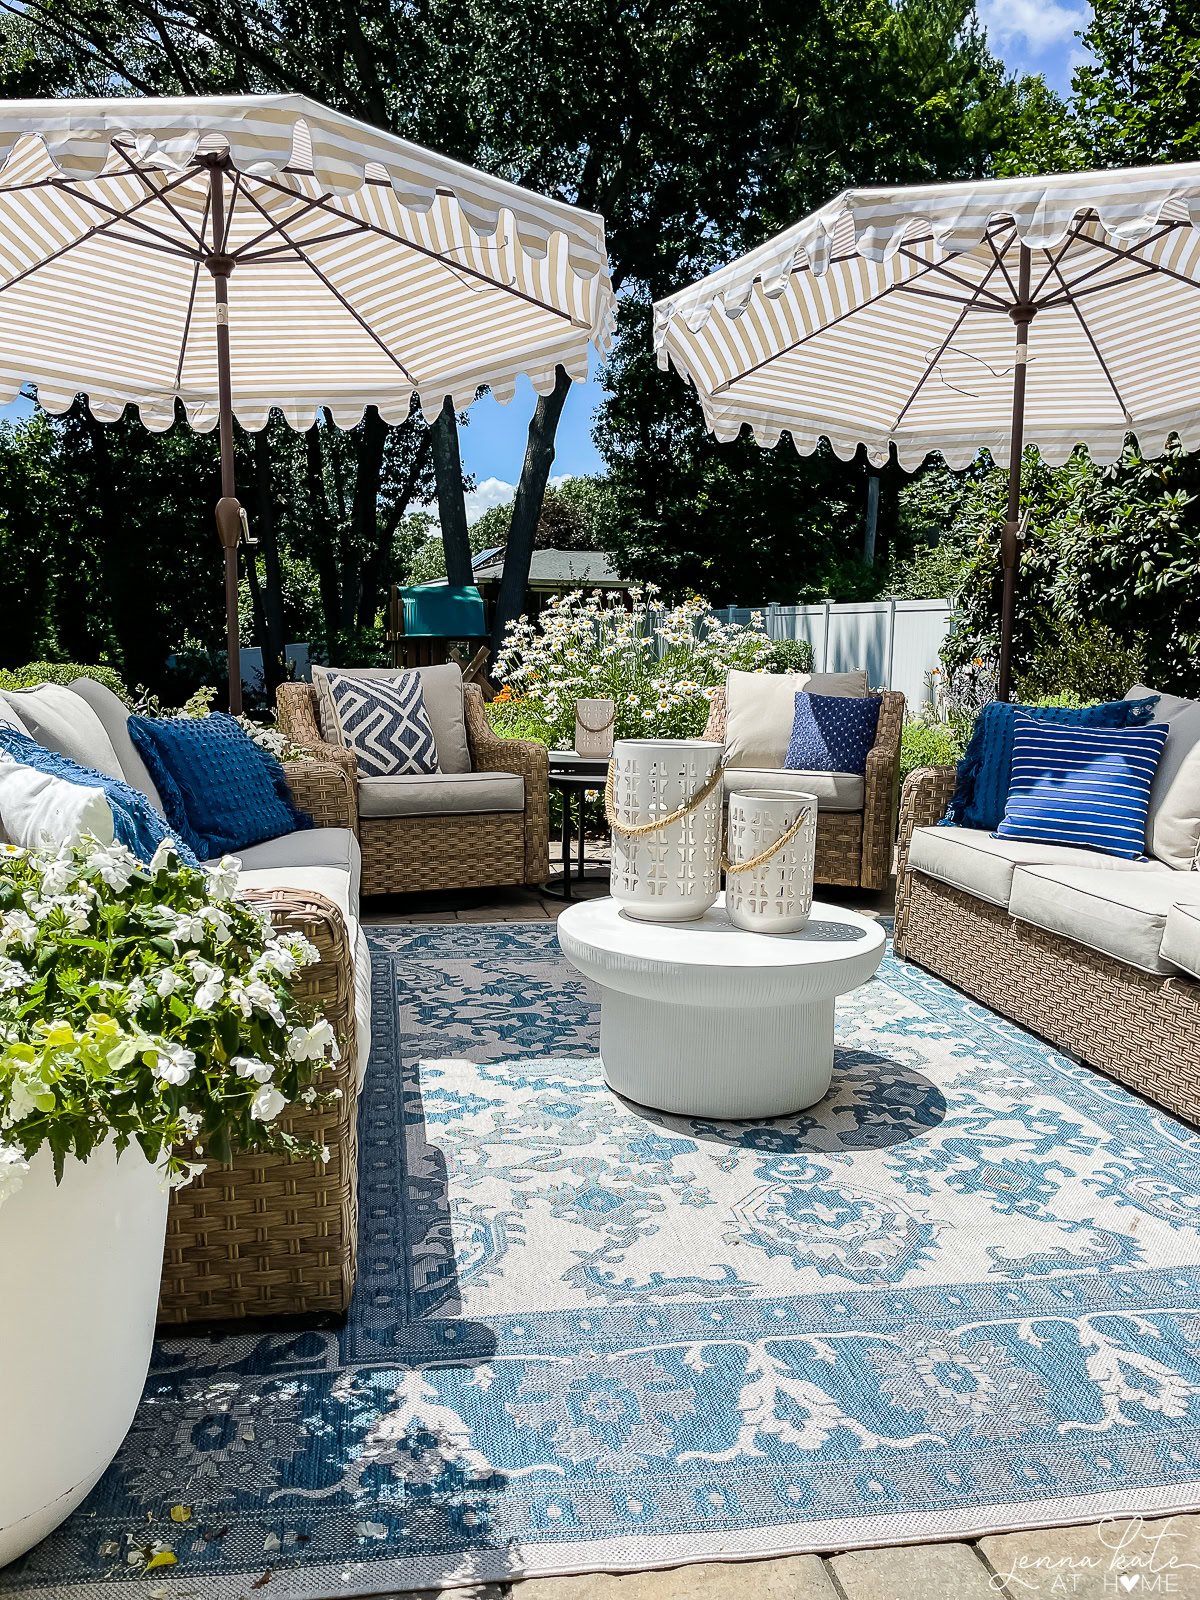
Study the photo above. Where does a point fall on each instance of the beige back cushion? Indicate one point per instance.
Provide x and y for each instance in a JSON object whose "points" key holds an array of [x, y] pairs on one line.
{"points": [[442, 691], [60, 720], [761, 706], [114, 714], [1173, 821]]}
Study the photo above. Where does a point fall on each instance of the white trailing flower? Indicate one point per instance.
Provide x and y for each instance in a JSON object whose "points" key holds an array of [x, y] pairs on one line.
{"points": [[17, 927], [312, 1044], [114, 863], [13, 975], [174, 1064], [210, 985], [13, 1167], [223, 878], [267, 1104], [251, 1067], [169, 982]]}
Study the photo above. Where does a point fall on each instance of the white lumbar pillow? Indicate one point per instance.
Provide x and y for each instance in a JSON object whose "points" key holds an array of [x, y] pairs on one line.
{"points": [[760, 708], [38, 809]]}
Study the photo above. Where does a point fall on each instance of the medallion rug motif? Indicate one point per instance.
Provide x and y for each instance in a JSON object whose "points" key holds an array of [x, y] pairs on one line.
{"points": [[962, 1294]]}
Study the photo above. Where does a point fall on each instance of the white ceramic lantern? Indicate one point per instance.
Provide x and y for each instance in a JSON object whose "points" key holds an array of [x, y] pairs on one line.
{"points": [[770, 855], [666, 821], [594, 721]]}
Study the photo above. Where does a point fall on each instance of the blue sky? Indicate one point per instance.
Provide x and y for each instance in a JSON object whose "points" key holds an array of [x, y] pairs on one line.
{"points": [[1028, 35]]}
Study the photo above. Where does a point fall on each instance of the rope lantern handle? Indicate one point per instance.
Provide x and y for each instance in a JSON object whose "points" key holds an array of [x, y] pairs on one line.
{"points": [[764, 856], [640, 830], [604, 726]]}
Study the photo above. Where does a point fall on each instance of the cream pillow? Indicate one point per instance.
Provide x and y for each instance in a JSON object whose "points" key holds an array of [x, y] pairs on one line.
{"points": [[62, 721], [37, 809], [760, 708], [1173, 820]]}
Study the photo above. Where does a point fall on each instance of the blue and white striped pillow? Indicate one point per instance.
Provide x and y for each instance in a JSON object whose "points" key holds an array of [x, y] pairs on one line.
{"points": [[1087, 787]]}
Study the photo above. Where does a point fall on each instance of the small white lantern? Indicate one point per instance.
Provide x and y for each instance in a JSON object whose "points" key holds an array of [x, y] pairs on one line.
{"points": [[770, 856], [594, 721], [664, 806]]}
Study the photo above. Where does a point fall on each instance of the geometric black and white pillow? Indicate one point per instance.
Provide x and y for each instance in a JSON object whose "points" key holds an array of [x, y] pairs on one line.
{"points": [[384, 721]]}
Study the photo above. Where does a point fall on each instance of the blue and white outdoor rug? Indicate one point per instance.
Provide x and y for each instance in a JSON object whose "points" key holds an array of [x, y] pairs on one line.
{"points": [[960, 1295]]}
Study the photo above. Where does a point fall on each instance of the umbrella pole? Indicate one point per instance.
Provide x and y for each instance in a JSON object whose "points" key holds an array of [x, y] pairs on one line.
{"points": [[229, 511], [1010, 545]]}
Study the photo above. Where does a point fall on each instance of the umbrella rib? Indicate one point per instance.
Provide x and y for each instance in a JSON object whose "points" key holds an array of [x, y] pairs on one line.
{"points": [[1152, 266], [1125, 255], [334, 291], [73, 244], [965, 283], [1071, 292], [277, 251], [117, 215], [143, 177], [191, 305], [434, 255], [944, 346], [1091, 339], [778, 355]]}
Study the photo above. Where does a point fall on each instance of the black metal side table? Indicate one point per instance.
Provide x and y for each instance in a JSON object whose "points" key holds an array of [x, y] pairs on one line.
{"points": [[573, 775]]}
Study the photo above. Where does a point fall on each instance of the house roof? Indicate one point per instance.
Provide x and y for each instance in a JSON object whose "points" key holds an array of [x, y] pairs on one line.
{"points": [[561, 569]]}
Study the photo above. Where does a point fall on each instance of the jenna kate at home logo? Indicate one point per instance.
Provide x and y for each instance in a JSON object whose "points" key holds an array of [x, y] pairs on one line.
{"points": [[1132, 1557]]}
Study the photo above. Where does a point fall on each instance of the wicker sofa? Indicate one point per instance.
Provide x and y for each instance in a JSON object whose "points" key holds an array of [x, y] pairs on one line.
{"points": [[458, 829], [856, 820], [965, 910], [265, 1234]]}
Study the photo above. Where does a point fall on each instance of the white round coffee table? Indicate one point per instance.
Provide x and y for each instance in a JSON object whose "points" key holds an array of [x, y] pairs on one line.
{"points": [[704, 1020]]}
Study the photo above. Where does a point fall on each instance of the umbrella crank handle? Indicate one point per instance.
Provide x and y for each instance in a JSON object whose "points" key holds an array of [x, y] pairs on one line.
{"points": [[233, 525]]}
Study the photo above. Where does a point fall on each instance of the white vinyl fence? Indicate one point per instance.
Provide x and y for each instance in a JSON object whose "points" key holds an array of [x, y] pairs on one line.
{"points": [[896, 640]]}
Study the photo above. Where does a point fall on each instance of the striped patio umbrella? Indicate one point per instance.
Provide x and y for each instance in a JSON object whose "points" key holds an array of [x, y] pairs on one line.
{"points": [[240, 254], [1052, 311]]}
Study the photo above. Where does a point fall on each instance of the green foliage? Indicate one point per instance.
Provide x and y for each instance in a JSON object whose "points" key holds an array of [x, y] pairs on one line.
{"points": [[145, 1003], [788, 655], [577, 514], [35, 672], [1085, 659], [520, 719], [429, 559], [931, 744]]}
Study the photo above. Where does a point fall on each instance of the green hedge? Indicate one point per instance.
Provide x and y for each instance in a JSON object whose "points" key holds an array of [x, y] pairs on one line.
{"points": [[930, 744], [35, 672]]}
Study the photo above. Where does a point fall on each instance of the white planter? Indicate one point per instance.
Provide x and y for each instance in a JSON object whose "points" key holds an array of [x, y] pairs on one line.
{"points": [[80, 1265], [674, 873], [775, 897]]}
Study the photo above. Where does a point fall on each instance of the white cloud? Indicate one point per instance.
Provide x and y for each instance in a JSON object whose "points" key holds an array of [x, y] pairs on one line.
{"points": [[1036, 24], [491, 492]]}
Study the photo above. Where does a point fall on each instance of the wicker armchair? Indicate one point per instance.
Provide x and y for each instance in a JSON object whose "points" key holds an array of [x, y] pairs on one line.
{"points": [[483, 850], [1141, 1028], [854, 848], [267, 1235]]}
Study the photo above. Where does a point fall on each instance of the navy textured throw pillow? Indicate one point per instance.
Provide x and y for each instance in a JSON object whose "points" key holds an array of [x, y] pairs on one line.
{"points": [[832, 732], [1087, 787], [986, 767], [221, 791], [136, 824]]}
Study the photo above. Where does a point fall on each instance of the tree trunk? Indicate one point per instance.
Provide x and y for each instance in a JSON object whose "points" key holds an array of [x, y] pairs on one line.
{"points": [[447, 467], [527, 507], [270, 625], [363, 540]]}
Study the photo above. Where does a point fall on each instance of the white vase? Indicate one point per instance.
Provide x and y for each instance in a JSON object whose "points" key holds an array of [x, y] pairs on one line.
{"points": [[594, 721], [674, 873], [777, 896], [80, 1264]]}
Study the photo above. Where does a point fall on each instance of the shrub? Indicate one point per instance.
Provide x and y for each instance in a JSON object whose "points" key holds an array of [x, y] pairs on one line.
{"points": [[35, 672], [1086, 661], [931, 744], [788, 655]]}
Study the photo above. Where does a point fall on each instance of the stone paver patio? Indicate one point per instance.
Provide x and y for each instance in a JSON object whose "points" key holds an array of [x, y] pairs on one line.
{"points": [[1123, 1557]]}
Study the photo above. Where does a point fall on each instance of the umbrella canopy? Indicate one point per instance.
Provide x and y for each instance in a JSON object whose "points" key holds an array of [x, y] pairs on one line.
{"points": [[240, 254], [1052, 311]]}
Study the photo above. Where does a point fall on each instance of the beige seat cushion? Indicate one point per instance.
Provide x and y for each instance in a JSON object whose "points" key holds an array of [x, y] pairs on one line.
{"points": [[442, 692], [760, 708], [1121, 914], [62, 721], [1181, 938], [334, 883], [310, 847], [114, 714], [835, 791], [971, 860], [417, 795]]}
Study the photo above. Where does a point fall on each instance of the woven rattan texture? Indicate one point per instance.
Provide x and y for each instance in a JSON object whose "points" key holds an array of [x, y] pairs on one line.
{"points": [[854, 849], [405, 855], [923, 799], [1142, 1030], [268, 1235]]}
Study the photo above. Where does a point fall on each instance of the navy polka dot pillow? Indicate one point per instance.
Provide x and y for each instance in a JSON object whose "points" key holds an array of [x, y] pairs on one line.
{"points": [[832, 732]]}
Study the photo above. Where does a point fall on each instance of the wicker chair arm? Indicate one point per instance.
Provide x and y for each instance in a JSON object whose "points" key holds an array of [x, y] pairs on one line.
{"points": [[881, 792], [527, 758], [714, 728], [923, 799], [327, 985], [325, 791], [296, 713]]}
